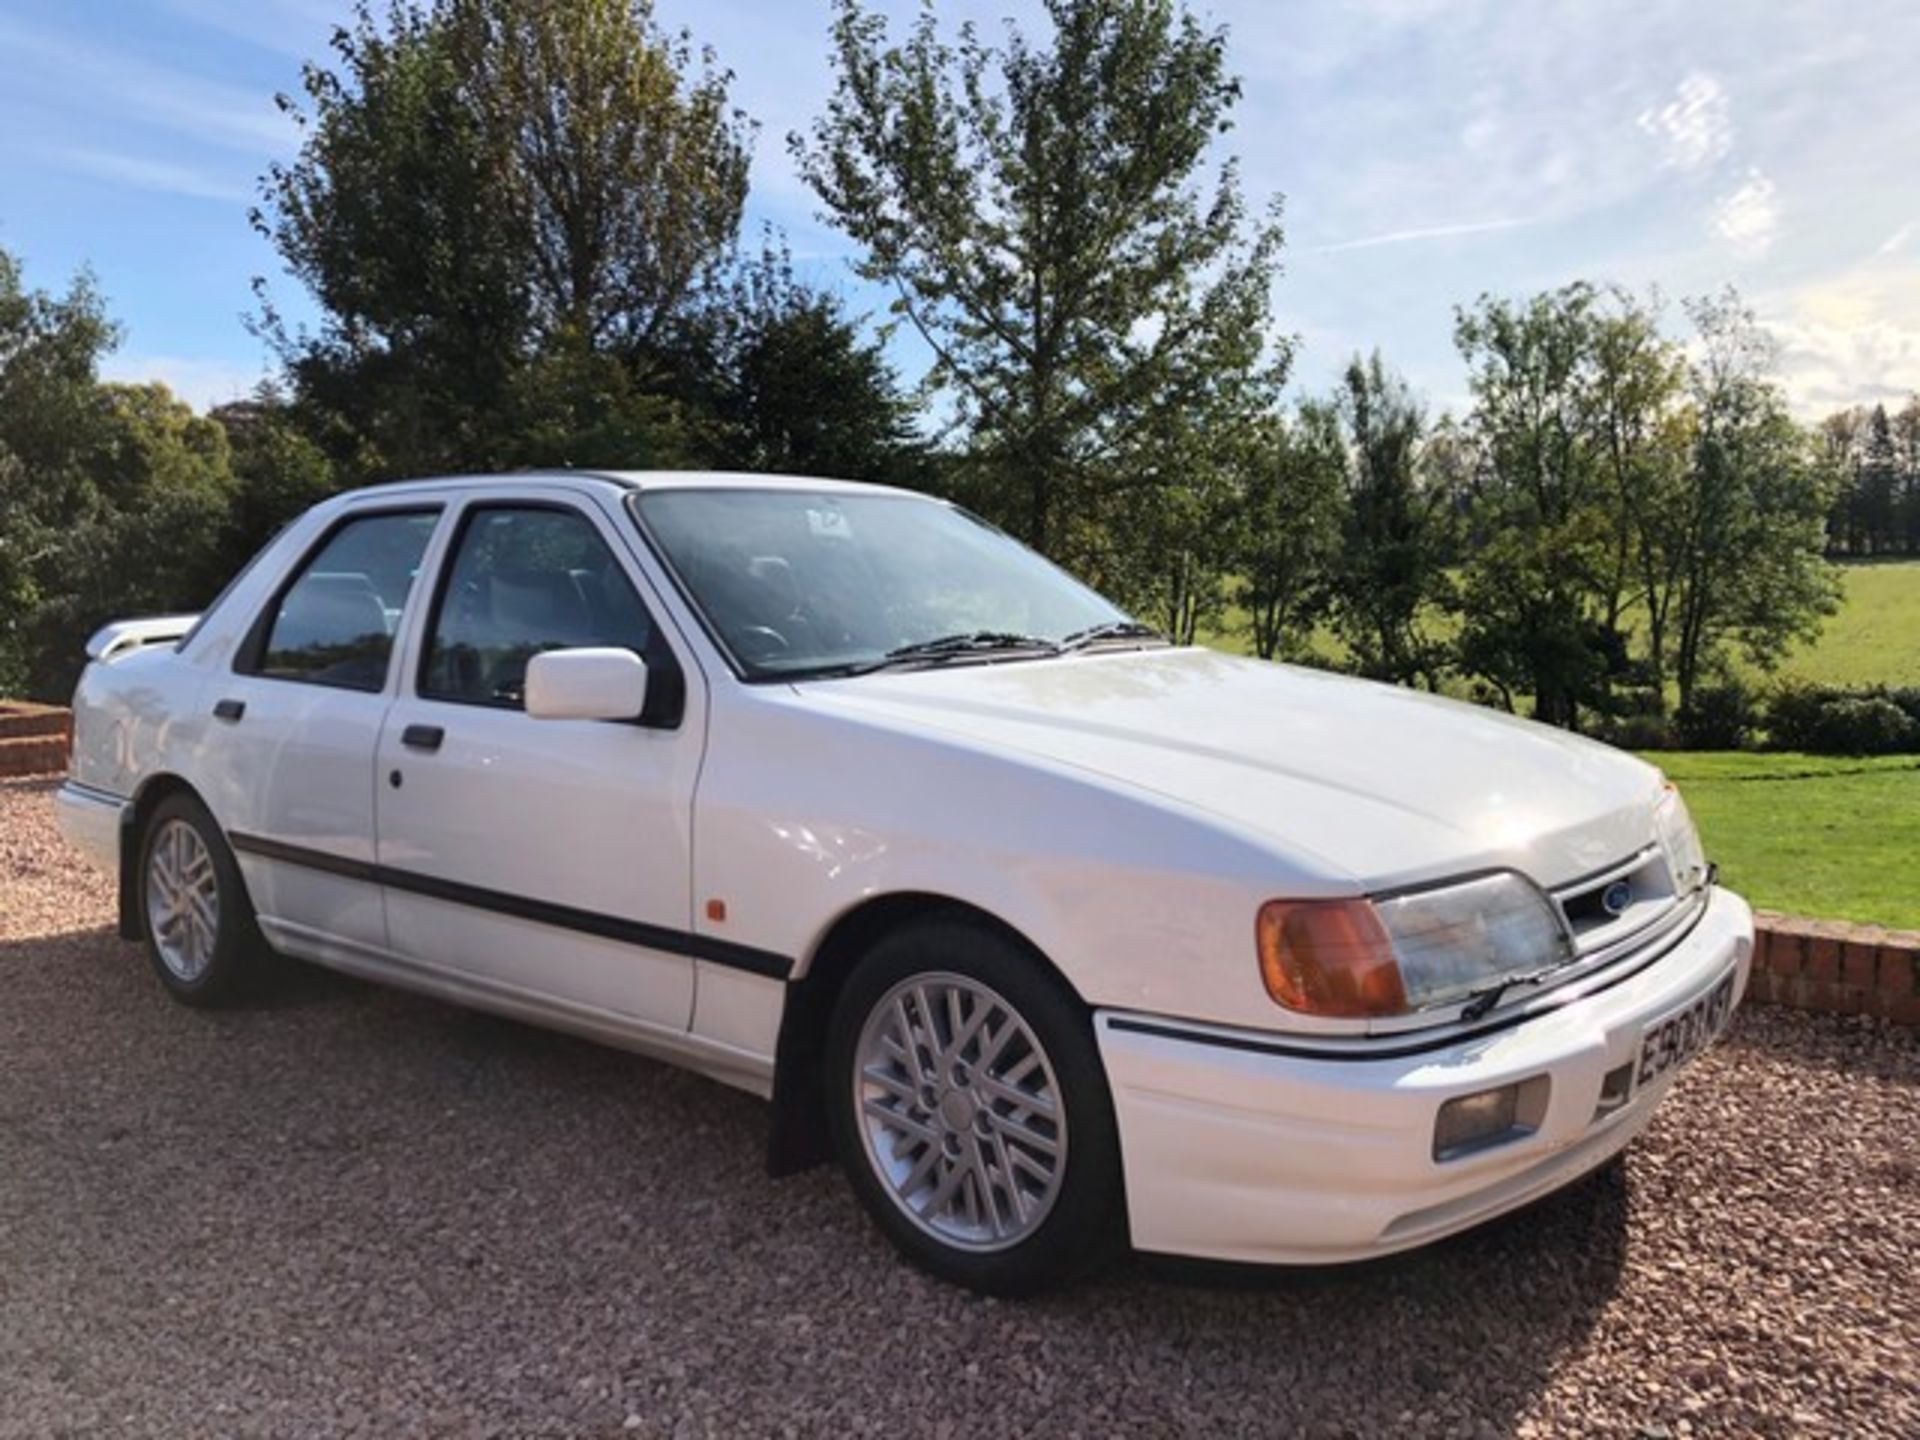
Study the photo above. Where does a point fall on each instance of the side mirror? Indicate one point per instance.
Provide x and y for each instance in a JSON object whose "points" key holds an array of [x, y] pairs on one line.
{"points": [[587, 683]]}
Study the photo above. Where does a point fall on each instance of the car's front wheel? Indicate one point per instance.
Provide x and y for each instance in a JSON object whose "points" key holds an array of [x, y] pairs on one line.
{"points": [[971, 1112], [199, 926]]}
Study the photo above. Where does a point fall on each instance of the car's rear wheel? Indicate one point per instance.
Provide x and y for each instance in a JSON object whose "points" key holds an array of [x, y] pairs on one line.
{"points": [[971, 1112], [199, 926]]}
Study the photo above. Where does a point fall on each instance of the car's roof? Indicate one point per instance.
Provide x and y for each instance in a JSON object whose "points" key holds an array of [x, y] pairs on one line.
{"points": [[628, 480]]}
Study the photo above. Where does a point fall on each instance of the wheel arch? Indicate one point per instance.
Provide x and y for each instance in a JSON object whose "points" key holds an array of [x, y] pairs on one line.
{"points": [[798, 1137], [133, 824]]}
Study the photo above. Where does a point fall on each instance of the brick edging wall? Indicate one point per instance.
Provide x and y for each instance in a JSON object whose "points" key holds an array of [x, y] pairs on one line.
{"points": [[1836, 966], [33, 738]]}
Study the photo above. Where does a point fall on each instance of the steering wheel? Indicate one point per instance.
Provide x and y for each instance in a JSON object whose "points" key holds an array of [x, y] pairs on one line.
{"points": [[760, 642]]}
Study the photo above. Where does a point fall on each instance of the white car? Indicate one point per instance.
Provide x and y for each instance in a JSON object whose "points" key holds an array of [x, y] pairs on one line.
{"points": [[1059, 935]]}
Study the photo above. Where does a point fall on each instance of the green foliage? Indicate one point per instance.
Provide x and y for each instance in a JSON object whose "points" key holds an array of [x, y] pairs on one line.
{"points": [[1537, 575], [786, 384], [1721, 716], [1830, 720], [1876, 504], [1619, 480], [277, 473], [1395, 543], [1288, 543], [96, 481], [496, 201], [1097, 313]]}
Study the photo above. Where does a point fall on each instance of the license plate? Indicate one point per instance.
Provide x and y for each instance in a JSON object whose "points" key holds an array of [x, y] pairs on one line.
{"points": [[1684, 1034]]}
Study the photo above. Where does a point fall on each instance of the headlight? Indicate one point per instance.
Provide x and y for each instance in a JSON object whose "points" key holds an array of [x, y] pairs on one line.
{"points": [[1680, 842], [1362, 958]]}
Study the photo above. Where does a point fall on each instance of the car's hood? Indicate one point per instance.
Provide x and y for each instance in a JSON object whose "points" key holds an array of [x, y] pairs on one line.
{"points": [[1380, 785]]}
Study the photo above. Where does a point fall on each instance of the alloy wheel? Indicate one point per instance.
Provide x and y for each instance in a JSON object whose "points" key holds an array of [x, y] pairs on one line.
{"points": [[960, 1111], [183, 900]]}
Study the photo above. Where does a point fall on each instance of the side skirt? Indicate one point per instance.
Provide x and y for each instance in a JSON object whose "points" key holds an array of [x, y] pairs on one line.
{"points": [[739, 1068]]}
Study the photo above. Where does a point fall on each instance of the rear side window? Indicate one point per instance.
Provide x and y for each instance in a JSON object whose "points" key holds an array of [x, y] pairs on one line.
{"points": [[523, 580], [334, 625]]}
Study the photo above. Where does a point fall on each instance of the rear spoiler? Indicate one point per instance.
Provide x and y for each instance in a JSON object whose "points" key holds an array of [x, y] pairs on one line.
{"points": [[123, 637]]}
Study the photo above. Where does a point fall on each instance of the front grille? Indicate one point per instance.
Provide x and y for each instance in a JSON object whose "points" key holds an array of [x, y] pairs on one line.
{"points": [[1619, 911], [1609, 905]]}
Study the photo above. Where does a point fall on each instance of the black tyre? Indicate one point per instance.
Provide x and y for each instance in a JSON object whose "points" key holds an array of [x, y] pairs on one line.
{"points": [[970, 1110], [194, 912]]}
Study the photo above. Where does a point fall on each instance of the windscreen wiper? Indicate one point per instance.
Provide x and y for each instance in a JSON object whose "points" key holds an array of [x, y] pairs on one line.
{"points": [[1481, 1001], [943, 648], [1110, 630]]}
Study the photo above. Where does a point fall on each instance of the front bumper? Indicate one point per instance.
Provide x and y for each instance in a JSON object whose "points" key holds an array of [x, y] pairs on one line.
{"points": [[1235, 1151]]}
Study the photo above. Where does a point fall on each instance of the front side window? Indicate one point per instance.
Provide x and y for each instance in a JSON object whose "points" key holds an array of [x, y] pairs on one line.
{"points": [[795, 582], [334, 625], [523, 580]]}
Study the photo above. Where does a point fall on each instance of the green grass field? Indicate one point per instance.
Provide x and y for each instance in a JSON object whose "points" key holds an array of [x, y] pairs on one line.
{"points": [[1815, 835], [1873, 639]]}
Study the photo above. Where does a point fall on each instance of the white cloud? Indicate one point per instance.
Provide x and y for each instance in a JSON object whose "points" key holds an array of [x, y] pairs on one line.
{"points": [[161, 175], [1426, 232], [1695, 128], [1897, 241], [1853, 340], [105, 80], [300, 28], [1747, 217], [201, 383]]}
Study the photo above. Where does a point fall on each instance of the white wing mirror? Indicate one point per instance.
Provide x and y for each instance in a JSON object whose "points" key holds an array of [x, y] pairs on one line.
{"points": [[586, 683]]}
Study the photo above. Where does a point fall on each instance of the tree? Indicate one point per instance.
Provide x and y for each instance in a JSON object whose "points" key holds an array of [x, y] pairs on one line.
{"points": [[495, 199], [1542, 578], [784, 382], [1906, 429], [1289, 536], [1038, 213], [96, 482], [1746, 535], [1876, 483], [1394, 548], [278, 473], [50, 348], [1165, 543]]}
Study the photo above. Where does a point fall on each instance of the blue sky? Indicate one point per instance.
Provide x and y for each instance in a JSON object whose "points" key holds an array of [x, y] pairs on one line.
{"points": [[1428, 150]]}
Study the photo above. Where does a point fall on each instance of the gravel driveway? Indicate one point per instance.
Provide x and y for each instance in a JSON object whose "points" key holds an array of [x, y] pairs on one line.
{"points": [[355, 1212]]}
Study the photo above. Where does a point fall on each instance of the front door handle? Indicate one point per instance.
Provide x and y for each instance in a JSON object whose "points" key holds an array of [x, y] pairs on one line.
{"points": [[229, 709], [422, 737]]}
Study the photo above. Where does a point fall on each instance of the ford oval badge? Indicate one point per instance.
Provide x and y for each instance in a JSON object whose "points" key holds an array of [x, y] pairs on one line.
{"points": [[1616, 897]]}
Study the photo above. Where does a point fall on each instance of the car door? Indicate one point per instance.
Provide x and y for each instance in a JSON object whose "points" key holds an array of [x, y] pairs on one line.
{"points": [[289, 769], [541, 858]]}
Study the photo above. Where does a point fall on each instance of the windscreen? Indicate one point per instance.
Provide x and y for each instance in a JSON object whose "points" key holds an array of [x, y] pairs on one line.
{"points": [[795, 582]]}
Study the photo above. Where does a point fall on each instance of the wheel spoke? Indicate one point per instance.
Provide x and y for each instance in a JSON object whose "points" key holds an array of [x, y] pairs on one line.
{"points": [[1029, 1101], [1019, 1134], [900, 1121], [950, 1179], [911, 1044], [1016, 1196]]}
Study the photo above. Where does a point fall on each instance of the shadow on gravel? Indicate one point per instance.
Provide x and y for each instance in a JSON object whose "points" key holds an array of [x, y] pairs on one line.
{"points": [[344, 1206]]}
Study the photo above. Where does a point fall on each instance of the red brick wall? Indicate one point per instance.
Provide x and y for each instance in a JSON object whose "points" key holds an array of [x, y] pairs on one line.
{"points": [[1831, 965], [33, 738]]}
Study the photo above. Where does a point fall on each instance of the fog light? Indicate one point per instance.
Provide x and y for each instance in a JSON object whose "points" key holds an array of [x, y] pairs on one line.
{"points": [[1489, 1117]]}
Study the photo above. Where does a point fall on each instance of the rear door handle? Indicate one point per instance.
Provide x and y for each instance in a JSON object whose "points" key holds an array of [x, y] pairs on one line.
{"points": [[422, 737], [229, 709]]}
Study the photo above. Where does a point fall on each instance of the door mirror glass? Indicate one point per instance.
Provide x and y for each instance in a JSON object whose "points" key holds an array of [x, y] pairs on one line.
{"points": [[586, 683]]}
